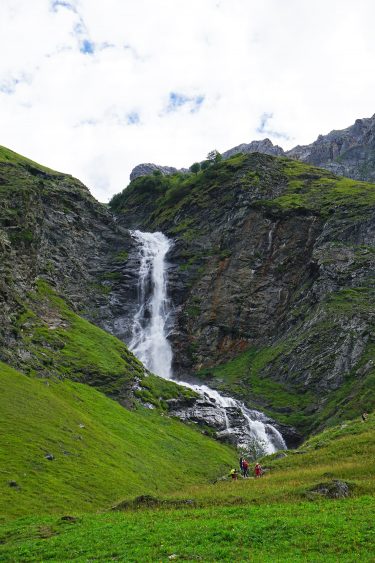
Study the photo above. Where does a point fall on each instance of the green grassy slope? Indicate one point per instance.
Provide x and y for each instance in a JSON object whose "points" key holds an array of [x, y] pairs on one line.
{"points": [[62, 344], [269, 519], [10, 157], [344, 452], [116, 453]]}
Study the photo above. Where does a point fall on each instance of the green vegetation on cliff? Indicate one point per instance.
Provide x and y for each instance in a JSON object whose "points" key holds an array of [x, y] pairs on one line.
{"points": [[304, 188], [277, 261], [314, 189], [102, 452]]}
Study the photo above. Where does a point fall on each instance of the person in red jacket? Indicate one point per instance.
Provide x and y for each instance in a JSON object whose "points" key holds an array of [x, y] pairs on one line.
{"points": [[258, 470], [245, 468]]}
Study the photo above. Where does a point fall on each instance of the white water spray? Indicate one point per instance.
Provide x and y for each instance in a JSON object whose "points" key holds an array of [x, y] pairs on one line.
{"points": [[150, 344], [149, 335]]}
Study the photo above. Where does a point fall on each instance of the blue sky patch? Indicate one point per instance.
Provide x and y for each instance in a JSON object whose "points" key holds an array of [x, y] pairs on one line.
{"points": [[133, 118], [87, 47], [177, 100], [56, 4], [265, 129]]}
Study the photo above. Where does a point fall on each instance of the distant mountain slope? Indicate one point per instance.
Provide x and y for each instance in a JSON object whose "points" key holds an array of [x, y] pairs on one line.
{"points": [[101, 452], [348, 152]]}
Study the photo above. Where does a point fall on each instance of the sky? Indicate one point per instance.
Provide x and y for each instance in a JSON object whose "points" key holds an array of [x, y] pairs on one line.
{"points": [[94, 87]]}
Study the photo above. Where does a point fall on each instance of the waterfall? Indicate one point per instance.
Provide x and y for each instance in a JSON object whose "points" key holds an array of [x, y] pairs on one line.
{"points": [[149, 335], [150, 344]]}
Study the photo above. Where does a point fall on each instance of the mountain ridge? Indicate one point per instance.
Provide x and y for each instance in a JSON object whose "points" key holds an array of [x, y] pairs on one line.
{"points": [[347, 152]]}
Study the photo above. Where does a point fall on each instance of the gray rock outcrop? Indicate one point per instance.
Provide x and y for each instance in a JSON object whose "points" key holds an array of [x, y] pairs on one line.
{"points": [[265, 146], [334, 489], [349, 152], [148, 168]]}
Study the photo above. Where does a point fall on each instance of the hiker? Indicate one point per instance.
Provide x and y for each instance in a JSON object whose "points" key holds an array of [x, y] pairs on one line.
{"points": [[258, 470], [245, 468], [241, 466], [234, 474], [364, 416]]}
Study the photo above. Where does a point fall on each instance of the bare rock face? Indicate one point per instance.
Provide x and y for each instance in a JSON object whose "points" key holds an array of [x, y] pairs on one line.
{"points": [[349, 152], [148, 168]]}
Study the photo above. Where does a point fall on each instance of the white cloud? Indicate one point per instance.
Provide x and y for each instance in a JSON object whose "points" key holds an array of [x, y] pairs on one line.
{"points": [[87, 86]]}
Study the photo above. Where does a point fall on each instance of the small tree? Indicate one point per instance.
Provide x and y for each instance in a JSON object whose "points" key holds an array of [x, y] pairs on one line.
{"points": [[214, 156], [195, 167], [205, 164]]}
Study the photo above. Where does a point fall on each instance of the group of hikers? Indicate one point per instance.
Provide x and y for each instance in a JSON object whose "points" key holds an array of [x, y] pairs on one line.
{"points": [[244, 470], [258, 471]]}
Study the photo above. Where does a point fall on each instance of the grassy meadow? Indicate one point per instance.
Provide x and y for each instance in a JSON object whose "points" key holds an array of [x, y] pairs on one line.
{"points": [[275, 518]]}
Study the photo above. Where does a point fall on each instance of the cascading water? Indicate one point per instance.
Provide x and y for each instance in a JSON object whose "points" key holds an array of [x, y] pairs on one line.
{"points": [[149, 335], [250, 429]]}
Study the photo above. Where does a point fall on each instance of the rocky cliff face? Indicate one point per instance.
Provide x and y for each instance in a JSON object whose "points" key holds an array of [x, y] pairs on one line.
{"points": [[62, 257], [265, 146], [271, 276], [349, 152], [51, 229], [148, 168]]}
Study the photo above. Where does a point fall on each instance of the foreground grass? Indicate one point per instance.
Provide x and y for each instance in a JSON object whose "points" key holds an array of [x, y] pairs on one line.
{"points": [[270, 519], [321, 531], [102, 452]]}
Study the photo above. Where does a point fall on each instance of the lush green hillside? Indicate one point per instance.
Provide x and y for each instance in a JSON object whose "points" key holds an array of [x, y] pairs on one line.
{"points": [[276, 518], [102, 452]]}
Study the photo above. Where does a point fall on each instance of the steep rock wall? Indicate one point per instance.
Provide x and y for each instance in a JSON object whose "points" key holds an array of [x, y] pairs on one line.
{"points": [[272, 268]]}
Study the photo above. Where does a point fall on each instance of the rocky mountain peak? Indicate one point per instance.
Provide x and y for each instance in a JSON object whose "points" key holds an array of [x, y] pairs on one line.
{"points": [[264, 146], [348, 152]]}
